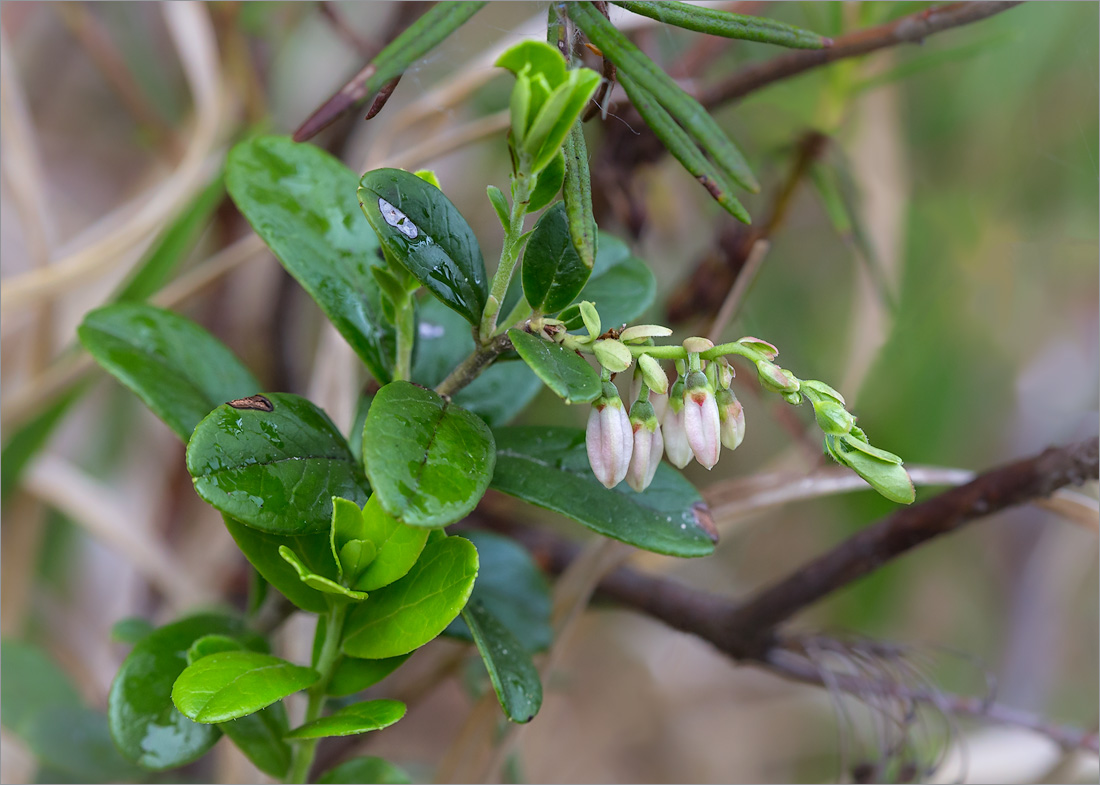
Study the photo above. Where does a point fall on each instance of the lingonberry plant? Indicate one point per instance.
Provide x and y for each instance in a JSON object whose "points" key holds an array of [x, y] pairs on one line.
{"points": [[353, 528]]}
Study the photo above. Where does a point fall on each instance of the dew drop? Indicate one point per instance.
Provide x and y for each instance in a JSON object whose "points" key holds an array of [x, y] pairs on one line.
{"points": [[397, 219]]}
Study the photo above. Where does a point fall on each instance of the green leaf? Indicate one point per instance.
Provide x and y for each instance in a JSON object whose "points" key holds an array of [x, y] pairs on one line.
{"points": [[262, 551], [32, 683], [76, 743], [539, 56], [548, 467], [887, 477], [363, 770], [260, 737], [419, 227], [212, 644], [231, 684], [428, 460], [577, 195], [553, 272], [726, 24], [562, 370], [178, 369], [621, 286], [581, 85], [353, 675], [276, 470], [30, 437], [130, 630], [397, 546], [405, 615], [500, 205], [502, 390], [301, 202], [514, 676], [350, 720], [144, 723], [318, 582], [548, 184], [512, 588]]}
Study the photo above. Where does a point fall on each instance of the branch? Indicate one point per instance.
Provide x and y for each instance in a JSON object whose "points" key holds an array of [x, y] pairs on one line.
{"points": [[907, 30], [470, 368]]}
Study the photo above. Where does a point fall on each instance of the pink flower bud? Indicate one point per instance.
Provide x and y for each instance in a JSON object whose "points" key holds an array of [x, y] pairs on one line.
{"points": [[648, 446], [609, 438], [731, 415], [672, 424], [701, 419]]}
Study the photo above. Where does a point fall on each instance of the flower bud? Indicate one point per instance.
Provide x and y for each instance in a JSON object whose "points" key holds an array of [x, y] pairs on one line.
{"points": [[731, 415], [654, 375], [762, 346], [672, 424], [701, 419], [609, 438], [648, 446], [775, 379]]}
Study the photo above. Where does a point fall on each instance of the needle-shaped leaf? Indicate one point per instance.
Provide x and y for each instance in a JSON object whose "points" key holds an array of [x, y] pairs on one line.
{"points": [[177, 368], [514, 677], [429, 461], [405, 615], [576, 192], [421, 229], [274, 463], [301, 202], [553, 272], [549, 468], [351, 720], [725, 23], [231, 684], [562, 370]]}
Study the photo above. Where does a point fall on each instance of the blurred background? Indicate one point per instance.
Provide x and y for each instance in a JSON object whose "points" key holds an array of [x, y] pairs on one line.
{"points": [[932, 218]]}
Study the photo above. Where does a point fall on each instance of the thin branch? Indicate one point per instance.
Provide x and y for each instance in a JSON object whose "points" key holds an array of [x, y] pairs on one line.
{"points": [[910, 29], [472, 366]]}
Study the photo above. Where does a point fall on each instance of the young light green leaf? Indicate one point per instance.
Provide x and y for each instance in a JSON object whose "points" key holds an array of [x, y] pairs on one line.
{"points": [[351, 720], [714, 21], [179, 370], [231, 684], [260, 737], [262, 551], [553, 272], [565, 372], [621, 286], [397, 546], [547, 185], [428, 460], [549, 468], [557, 116], [515, 678], [145, 725], [318, 582], [537, 56], [500, 205], [274, 463], [212, 644], [366, 769], [355, 675], [419, 227], [301, 202], [407, 614]]}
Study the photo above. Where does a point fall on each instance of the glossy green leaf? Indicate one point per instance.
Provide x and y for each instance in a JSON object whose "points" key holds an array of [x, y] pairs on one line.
{"points": [[405, 615], [318, 582], [353, 675], [260, 737], [514, 676], [262, 551], [178, 369], [428, 460], [419, 227], [351, 720], [301, 201], [212, 644], [553, 272], [364, 770], [231, 684], [621, 286], [276, 470], [714, 21], [548, 184], [144, 723], [396, 546], [502, 390], [548, 467], [512, 588], [562, 370]]}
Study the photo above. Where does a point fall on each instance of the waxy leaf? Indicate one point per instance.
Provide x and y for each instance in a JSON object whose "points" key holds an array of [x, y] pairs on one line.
{"points": [[232, 684], [301, 202], [553, 272], [419, 227], [562, 370], [274, 470], [177, 368], [365, 769], [502, 390], [146, 727], [515, 678], [405, 615], [350, 720], [621, 286], [262, 551], [512, 588], [428, 460], [549, 468], [353, 675], [260, 737]]}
